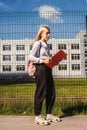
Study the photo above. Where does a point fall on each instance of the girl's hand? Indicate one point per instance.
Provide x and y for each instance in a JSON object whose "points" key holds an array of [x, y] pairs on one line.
{"points": [[47, 60]]}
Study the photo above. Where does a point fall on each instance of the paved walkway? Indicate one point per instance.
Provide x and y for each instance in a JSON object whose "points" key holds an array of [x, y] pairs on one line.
{"points": [[26, 123]]}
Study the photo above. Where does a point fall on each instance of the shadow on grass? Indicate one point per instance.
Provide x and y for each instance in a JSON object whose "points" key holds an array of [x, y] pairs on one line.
{"points": [[75, 108]]}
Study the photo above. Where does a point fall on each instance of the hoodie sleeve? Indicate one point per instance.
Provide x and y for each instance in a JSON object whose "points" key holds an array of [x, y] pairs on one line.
{"points": [[35, 53]]}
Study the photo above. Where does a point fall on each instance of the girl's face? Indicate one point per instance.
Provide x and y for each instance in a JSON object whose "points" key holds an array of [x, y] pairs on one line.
{"points": [[45, 35]]}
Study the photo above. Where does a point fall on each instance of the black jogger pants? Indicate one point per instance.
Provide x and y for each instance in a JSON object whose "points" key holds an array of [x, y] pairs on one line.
{"points": [[45, 89]]}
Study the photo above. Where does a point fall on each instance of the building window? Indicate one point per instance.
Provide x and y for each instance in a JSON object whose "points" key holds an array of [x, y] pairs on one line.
{"points": [[85, 45], [50, 46], [85, 55], [75, 56], [20, 57], [20, 68], [74, 46], [7, 68], [86, 61], [6, 47], [6, 57], [85, 40], [62, 67], [20, 47], [85, 51], [61, 46], [75, 66], [85, 35], [31, 47]]}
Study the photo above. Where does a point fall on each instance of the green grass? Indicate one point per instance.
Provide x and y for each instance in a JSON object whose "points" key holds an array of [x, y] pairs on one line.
{"points": [[17, 91], [27, 108], [64, 88]]}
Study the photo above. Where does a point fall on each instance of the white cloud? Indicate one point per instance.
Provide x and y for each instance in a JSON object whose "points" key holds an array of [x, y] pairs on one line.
{"points": [[50, 13]]}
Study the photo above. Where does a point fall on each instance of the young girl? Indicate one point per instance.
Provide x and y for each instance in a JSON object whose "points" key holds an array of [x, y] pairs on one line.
{"points": [[45, 89]]}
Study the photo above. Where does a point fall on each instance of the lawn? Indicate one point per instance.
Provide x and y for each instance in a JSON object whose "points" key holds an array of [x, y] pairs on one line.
{"points": [[64, 88]]}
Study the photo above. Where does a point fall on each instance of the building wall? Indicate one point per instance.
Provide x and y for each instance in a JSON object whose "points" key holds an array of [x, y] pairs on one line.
{"points": [[69, 72], [66, 71]]}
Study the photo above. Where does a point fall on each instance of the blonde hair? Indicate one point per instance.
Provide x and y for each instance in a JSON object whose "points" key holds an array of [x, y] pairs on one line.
{"points": [[40, 31]]}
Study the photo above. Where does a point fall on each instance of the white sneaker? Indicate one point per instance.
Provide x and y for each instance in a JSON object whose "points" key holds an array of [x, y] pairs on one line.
{"points": [[41, 121], [52, 118]]}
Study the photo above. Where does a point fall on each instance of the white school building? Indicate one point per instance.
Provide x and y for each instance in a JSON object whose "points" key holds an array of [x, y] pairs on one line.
{"points": [[14, 56]]}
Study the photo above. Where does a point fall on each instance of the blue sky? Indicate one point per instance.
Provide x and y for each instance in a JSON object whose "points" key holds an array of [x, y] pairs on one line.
{"points": [[62, 25], [32, 4]]}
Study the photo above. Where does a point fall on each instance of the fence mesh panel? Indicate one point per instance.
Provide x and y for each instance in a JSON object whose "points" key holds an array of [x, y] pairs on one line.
{"points": [[68, 32]]}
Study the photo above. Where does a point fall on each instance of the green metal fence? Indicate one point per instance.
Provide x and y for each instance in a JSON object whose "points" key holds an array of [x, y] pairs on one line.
{"points": [[68, 32]]}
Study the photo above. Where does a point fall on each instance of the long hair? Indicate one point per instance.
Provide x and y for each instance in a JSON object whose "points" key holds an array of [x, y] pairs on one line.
{"points": [[40, 31]]}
